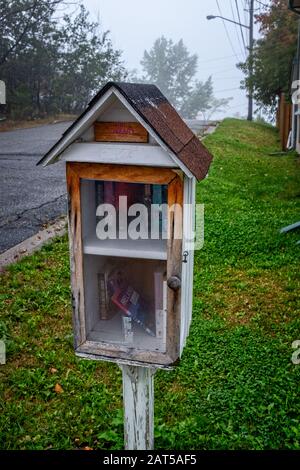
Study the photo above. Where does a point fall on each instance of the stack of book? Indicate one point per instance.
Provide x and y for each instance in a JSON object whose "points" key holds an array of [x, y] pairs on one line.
{"points": [[109, 192], [117, 295]]}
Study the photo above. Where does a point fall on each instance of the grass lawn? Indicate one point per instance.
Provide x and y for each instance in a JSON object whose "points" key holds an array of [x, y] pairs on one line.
{"points": [[236, 386]]}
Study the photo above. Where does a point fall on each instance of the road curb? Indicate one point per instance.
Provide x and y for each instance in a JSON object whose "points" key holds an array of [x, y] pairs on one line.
{"points": [[33, 243]]}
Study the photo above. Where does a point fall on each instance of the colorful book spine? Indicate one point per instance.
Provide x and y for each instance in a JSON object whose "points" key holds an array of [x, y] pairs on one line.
{"points": [[130, 190], [99, 193], [109, 193], [157, 194], [156, 214]]}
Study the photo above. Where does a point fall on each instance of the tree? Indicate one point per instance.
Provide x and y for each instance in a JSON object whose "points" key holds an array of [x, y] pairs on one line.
{"points": [[273, 55], [24, 52], [19, 20], [198, 99], [172, 68], [53, 65], [87, 61]]}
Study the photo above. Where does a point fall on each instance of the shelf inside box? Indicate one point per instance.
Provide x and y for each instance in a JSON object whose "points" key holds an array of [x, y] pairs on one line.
{"points": [[144, 249], [110, 331]]}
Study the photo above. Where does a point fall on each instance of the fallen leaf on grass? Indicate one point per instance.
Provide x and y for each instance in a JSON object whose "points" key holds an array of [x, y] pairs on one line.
{"points": [[58, 388]]}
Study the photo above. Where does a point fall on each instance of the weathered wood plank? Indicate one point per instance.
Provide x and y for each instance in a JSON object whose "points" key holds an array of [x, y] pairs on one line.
{"points": [[116, 351], [174, 265], [126, 362], [138, 399], [76, 261], [120, 132], [124, 173]]}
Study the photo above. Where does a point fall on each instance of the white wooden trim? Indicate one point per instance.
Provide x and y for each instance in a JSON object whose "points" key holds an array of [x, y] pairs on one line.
{"points": [[79, 128], [192, 252], [187, 268], [119, 154], [184, 278]]}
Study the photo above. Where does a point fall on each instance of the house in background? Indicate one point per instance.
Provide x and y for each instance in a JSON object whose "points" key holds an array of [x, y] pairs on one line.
{"points": [[294, 140], [295, 136], [284, 122]]}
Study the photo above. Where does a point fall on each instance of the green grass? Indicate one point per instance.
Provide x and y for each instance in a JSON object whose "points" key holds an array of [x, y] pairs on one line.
{"points": [[236, 387]]}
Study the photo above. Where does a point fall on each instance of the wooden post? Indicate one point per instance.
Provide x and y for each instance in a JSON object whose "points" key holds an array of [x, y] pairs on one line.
{"points": [[138, 399]]}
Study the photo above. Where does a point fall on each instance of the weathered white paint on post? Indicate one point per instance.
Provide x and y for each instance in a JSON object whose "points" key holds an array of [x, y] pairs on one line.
{"points": [[138, 399]]}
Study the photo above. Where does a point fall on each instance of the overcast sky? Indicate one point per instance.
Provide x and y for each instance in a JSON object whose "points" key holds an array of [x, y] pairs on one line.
{"points": [[135, 24]]}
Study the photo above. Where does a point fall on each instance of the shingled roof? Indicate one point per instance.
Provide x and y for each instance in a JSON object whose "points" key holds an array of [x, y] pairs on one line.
{"points": [[154, 108]]}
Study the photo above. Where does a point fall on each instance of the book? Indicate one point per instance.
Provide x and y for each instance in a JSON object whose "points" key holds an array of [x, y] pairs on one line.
{"points": [[160, 304], [156, 194], [158, 290], [109, 192], [99, 193], [103, 296], [127, 329], [130, 303], [106, 291], [130, 190], [147, 194]]}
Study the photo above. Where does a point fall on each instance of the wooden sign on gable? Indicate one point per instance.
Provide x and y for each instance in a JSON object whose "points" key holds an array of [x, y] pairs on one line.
{"points": [[120, 132]]}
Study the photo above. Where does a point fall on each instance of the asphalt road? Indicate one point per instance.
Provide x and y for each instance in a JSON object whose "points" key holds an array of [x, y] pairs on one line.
{"points": [[31, 196]]}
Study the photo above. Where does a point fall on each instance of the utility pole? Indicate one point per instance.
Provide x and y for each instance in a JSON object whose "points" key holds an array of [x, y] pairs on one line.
{"points": [[251, 44], [250, 27]]}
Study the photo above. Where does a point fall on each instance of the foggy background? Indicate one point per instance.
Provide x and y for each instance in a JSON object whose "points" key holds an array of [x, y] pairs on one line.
{"points": [[134, 26]]}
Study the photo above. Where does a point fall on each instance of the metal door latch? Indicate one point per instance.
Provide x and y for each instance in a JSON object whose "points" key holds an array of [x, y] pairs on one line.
{"points": [[184, 256]]}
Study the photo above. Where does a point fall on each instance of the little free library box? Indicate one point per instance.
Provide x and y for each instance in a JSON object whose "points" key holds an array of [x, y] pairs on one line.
{"points": [[131, 165]]}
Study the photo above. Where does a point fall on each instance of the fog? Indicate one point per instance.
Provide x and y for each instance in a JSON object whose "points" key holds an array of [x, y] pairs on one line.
{"points": [[134, 26]]}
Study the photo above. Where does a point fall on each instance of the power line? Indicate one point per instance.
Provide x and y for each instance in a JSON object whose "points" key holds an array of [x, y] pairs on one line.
{"points": [[263, 4], [237, 106], [246, 15], [227, 34], [217, 58], [225, 78], [214, 70], [227, 89], [241, 28], [236, 30]]}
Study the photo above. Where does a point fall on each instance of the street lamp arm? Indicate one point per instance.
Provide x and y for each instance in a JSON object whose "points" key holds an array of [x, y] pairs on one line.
{"points": [[211, 17]]}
